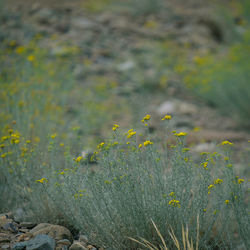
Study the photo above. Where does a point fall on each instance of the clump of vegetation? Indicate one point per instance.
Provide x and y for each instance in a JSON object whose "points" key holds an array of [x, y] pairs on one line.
{"points": [[223, 80], [135, 181]]}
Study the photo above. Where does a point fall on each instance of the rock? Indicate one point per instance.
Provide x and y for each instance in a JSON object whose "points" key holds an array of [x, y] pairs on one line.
{"points": [[63, 242], [55, 231], [25, 237], [40, 242], [176, 106], [27, 224], [126, 66], [82, 23], [185, 108], [5, 247], [12, 227], [4, 238], [167, 107], [204, 147], [19, 215], [83, 239], [4, 220], [19, 246], [77, 245], [44, 15]]}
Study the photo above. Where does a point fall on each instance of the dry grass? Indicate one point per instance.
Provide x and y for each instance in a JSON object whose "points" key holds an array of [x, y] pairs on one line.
{"points": [[186, 242]]}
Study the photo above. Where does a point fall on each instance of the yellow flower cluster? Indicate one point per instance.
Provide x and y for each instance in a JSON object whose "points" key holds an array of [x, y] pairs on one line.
{"points": [[174, 203], [226, 143], [240, 181], [100, 145], [209, 188], [130, 133], [218, 181], [146, 143], [204, 164], [180, 134], [167, 117], [115, 127], [42, 180], [78, 159], [146, 118]]}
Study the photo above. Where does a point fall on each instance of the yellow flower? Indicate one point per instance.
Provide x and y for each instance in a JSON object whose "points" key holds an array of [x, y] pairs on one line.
{"points": [[174, 203], [4, 138], [2, 145], [240, 181], [28, 141], [146, 118], [20, 50], [3, 155], [204, 210], [100, 145], [61, 144], [53, 136], [204, 164], [146, 143], [140, 145], [31, 58], [171, 194], [115, 127], [226, 202], [130, 133], [210, 186], [78, 159], [166, 117], [181, 134], [42, 180], [226, 143], [218, 181]]}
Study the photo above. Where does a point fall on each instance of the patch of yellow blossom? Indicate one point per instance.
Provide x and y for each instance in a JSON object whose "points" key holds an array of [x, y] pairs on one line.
{"points": [[226, 202], [167, 117], [53, 136], [146, 118], [180, 134], [218, 181], [31, 58], [226, 143], [204, 164], [100, 145], [209, 188], [174, 203], [146, 143], [115, 127], [42, 180], [240, 181], [78, 159], [130, 133]]}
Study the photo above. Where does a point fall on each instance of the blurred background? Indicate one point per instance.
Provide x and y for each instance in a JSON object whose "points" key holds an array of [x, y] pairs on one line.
{"points": [[77, 67]]}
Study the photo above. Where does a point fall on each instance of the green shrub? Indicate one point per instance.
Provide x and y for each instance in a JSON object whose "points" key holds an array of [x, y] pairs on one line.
{"points": [[223, 80], [134, 181]]}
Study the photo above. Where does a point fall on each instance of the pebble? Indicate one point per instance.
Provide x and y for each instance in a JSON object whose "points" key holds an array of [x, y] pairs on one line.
{"points": [[77, 245]]}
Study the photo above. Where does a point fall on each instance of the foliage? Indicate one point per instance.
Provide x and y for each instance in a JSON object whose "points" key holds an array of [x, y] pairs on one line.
{"points": [[223, 80], [134, 181]]}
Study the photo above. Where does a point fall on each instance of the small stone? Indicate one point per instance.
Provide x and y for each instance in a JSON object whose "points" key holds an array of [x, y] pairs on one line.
{"points": [[4, 238], [19, 215], [77, 245], [12, 227], [63, 242], [83, 239], [19, 246], [54, 231], [27, 224], [126, 66], [5, 247], [4, 220]]}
